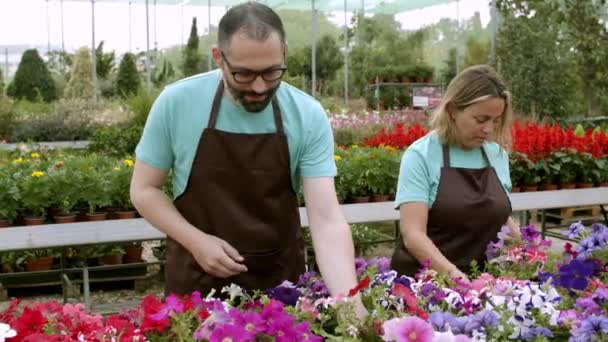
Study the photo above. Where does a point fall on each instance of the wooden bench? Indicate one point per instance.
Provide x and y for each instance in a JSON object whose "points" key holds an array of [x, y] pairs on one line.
{"points": [[117, 231]]}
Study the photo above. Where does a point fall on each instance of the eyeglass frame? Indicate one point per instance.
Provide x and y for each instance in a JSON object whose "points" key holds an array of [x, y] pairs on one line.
{"points": [[256, 74]]}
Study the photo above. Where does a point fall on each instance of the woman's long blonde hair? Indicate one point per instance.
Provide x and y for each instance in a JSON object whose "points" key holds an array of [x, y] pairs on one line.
{"points": [[473, 84]]}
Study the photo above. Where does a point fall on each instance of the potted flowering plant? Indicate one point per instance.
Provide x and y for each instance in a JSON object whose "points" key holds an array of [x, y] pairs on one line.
{"points": [[120, 180], [64, 185], [35, 195], [569, 163], [383, 172], [588, 172], [548, 171], [526, 170]]}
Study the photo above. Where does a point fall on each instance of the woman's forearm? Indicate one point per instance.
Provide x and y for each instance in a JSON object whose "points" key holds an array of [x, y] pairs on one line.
{"points": [[423, 249]]}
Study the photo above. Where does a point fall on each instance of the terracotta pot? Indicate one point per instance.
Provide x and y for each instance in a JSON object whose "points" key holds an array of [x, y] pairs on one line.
{"points": [[33, 221], [5, 223], [133, 254], [529, 188], [64, 218], [97, 217], [120, 215], [545, 187], [112, 259], [6, 268], [359, 199], [380, 198], [40, 264], [567, 186], [515, 189], [584, 185]]}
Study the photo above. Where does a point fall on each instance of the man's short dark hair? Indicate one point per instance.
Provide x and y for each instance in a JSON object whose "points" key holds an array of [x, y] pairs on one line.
{"points": [[256, 20]]}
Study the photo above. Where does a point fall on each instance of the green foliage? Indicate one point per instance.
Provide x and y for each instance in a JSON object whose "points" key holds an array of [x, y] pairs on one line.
{"points": [[450, 66], [163, 75], [7, 117], [140, 104], [586, 33], [115, 141], [1, 83], [80, 84], [32, 80], [329, 59], [104, 62], [128, 81], [192, 58], [74, 119], [477, 52]]}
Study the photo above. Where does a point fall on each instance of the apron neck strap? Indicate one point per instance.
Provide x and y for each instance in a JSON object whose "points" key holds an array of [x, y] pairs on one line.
{"points": [[217, 101], [446, 156]]}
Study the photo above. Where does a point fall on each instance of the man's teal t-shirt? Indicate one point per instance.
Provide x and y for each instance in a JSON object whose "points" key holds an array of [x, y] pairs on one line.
{"points": [[181, 113], [421, 164]]}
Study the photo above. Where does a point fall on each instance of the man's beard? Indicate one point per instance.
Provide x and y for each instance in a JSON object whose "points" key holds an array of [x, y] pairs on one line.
{"points": [[252, 106]]}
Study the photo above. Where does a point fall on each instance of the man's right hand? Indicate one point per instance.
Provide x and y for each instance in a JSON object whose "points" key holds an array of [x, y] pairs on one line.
{"points": [[217, 257]]}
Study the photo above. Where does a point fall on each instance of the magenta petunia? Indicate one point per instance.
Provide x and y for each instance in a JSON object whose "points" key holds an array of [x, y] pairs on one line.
{"points": [[413, 329]]}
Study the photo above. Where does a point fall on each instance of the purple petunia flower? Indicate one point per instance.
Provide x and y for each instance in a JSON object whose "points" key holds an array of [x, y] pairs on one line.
{"points": [[305, 278], [575, 274], [287, 295], [575, 230], [593, 326], [403, 280], [493, 249], [529, 233], [441, 320], [534, 332], [589, 306], [486, 318]]}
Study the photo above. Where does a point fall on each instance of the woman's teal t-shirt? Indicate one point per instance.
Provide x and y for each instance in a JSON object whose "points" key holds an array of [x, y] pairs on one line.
{"points": [[422, 161]]}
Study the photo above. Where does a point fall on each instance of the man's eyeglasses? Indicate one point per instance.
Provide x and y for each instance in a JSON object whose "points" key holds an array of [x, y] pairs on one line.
{"points": [[245, 76]]}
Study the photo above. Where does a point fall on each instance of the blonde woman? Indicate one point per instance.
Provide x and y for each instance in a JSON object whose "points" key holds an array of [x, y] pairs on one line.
{"points": [[453, 182]]}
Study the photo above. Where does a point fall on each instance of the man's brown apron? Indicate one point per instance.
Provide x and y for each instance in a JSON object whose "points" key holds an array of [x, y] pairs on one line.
{"points": [[240, 190], [470, 208]]}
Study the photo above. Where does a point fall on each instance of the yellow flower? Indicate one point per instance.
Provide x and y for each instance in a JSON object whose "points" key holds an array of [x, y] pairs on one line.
{"points": [[18, 160], [37, 174], [336, 158], [116, 169], [390, 149], [35, 155], [128, 162]]}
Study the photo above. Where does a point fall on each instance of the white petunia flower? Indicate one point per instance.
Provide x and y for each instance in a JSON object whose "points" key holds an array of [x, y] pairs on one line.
{"points": [[6, 332]]}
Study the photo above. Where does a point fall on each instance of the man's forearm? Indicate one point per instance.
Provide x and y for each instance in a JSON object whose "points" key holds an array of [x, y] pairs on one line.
{"points": [[335, 253], [158, 209], [422, 248]]}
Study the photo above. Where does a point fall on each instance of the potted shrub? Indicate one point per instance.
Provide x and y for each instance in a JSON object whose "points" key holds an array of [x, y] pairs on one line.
{"points": [[40, 259], [111, 254]]}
